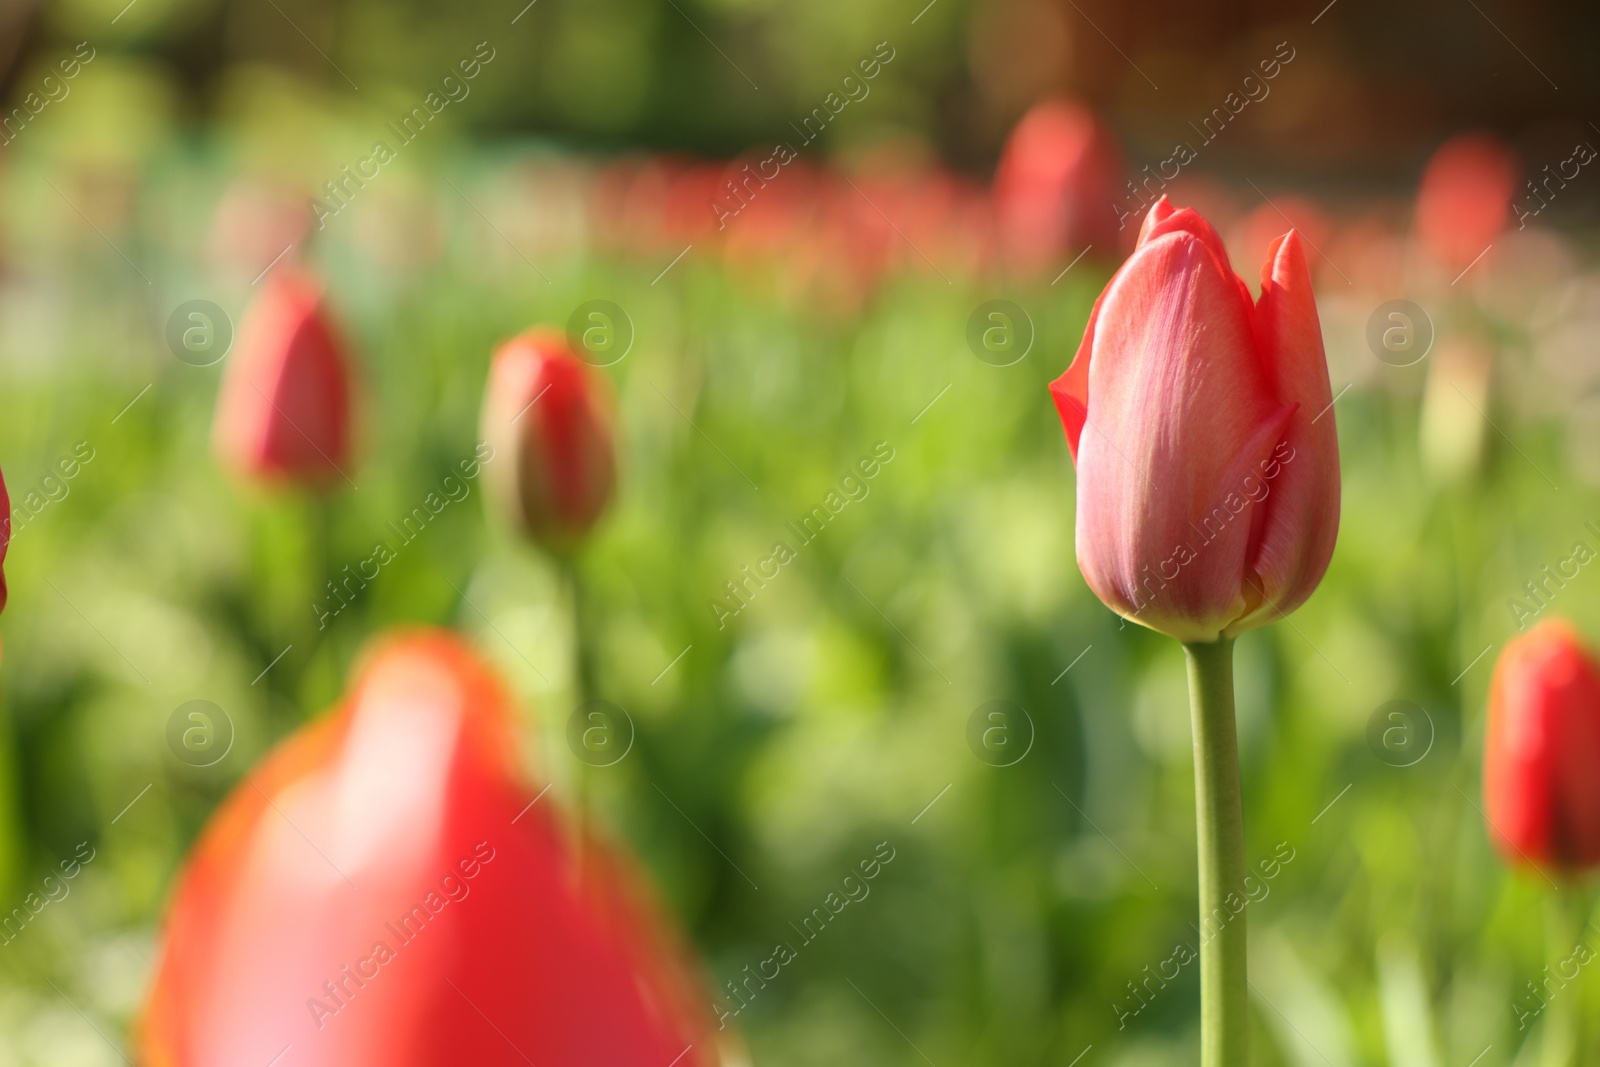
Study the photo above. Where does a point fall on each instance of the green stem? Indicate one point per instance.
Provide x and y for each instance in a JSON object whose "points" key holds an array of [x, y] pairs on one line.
{"points": [[1562, 1040], [582, 643], [1219, 816]]}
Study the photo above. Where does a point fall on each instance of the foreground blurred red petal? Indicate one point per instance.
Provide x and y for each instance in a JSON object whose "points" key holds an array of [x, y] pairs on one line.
{"points": [[383, 891]]}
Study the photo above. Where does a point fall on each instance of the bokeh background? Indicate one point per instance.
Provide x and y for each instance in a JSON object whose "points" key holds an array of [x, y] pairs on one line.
{"points": [[1036, 881]]}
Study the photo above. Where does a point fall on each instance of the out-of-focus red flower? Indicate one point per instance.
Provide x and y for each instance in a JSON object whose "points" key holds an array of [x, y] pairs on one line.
{"points": [[1208, 465], [1056, 184], [1541, 793], [1465, 197], [548, 421], [383, 890], [284, 410]]}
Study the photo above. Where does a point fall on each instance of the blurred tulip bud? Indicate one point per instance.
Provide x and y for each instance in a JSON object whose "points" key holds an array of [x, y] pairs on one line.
{"points": [[1201, 425], [1465, 198], [383, 890], [1541, 793], [284, 410], [1056, 184], [549, 424]]}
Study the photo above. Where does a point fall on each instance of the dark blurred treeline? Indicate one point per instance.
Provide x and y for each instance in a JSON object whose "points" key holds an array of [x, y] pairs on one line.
{"points": [[1372, 86]]}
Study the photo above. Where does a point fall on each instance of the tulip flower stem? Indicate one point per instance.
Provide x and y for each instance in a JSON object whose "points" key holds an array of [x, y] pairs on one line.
{"points": [[1219, 816], [1565, 921], [582, 639]]}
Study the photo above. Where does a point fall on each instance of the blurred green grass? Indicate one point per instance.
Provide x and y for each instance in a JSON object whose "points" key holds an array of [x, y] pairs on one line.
{"points": [[821, 720]]}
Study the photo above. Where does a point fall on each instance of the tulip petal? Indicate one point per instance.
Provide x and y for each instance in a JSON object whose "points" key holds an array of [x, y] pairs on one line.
{"points": [[1164, 219], [1302, 505], [1071, 390], [1181, 417]]}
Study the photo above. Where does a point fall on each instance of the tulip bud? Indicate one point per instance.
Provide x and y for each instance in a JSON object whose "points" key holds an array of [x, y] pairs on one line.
{"points": [[284, 410], [1540, 790], [1464, 199], [1055, 185], [382, 889], [1201, 426], [550, 427]]}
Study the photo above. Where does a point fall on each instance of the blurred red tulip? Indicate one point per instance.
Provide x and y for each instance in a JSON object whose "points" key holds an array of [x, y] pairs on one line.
{"points": [[284, 410], [1540, 789], [549, 424], [1464, 200], [383, 890], [1056, 184], [1208, 478]]}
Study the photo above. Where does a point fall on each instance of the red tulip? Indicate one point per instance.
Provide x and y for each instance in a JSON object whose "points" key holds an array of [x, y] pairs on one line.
{"points": [[1465, 197], [383, 890], [1540, 789], [1199, 420], [1056, 184], [284, 411], [551, 431]]}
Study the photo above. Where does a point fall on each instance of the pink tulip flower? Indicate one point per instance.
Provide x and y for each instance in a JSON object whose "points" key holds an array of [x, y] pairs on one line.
{"points": [[1201, 427]]}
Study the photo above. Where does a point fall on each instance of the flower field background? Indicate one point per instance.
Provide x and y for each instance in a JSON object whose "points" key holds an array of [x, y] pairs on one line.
{"points": [[1034, 900]]}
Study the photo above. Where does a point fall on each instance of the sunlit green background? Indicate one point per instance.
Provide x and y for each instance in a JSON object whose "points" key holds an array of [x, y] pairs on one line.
{"points": [[833, 713]]}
